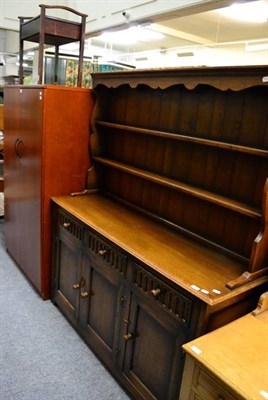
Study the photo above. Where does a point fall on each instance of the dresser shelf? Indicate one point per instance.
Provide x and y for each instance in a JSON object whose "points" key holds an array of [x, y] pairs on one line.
{"points": [[182, 187], [185, 138]]}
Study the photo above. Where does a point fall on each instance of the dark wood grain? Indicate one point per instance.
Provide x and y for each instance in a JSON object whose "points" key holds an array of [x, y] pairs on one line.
{"points": [[198, 139], [176, 185], [180, 165], [180, 137]]}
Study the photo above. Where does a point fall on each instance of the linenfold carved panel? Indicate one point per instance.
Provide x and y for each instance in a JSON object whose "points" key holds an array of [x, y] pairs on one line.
{"points": [[75, 229], [174, 302], [107, 253]]}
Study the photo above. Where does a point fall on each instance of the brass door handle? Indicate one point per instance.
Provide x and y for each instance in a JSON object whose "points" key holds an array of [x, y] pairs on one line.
{"points": [[155, 292], [102, 252], [66, 224], [76, 286], [128, 337], [84, 294]]}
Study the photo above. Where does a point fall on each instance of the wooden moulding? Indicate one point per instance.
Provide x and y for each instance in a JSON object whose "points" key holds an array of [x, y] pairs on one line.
{"points": [[262, 305], [222, 78], [259, 254], [92, 179]]}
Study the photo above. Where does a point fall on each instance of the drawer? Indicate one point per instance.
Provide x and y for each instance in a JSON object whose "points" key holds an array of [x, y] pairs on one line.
{"points": [[104, 252], [70, 225], [172, 301], [207, 387]]}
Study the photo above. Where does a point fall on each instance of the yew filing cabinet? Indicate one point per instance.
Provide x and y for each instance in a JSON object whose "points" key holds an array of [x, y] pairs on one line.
{"points": [[46, 154]]}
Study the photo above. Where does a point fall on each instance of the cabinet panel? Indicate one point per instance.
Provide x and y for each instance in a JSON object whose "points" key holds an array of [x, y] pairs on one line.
{"points": [[22, 182], [153, 350], [67, 281], [208, 388], [100, 308], [68, 274]]}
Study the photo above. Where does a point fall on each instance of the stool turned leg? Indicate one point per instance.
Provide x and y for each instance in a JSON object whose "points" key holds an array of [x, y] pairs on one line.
{"points": [[56, 64], [41, 45]]}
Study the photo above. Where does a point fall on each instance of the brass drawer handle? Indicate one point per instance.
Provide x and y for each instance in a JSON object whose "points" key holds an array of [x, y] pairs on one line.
{"points": [[155, 292], [102, 252], [128, 337], [66, 224], [84, 295], [76, 286]]}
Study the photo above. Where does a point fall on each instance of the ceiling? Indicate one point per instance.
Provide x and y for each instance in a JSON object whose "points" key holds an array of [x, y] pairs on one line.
{"points": [[212, 33], [210, 29]]}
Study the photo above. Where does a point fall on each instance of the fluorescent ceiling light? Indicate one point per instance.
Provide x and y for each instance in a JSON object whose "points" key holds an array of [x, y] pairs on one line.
{"points": [[185, 54], [131, 35], [254, 11], [257, 46], [141, 58]]}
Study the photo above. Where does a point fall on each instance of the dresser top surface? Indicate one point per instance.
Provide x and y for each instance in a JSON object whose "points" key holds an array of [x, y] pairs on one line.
{"points": [[198, 269]]}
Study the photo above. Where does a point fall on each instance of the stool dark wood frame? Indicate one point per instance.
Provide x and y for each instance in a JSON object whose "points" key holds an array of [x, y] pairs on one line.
{"points": [[53, 31]]}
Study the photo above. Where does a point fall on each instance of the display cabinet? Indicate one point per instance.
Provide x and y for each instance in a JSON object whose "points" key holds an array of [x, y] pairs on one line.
{"points": [[171, 230]]}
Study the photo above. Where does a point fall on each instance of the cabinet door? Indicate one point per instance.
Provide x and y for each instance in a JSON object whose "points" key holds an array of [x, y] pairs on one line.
{"points": [[153, 354], [67, 263], [12, 174], [102, 299], [23, 153], [160, 320]]}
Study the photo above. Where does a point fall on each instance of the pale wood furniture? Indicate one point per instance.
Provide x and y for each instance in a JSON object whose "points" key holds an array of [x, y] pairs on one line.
{"points": [[231, 362], [45, 29], [168, 241], [46, 154]]}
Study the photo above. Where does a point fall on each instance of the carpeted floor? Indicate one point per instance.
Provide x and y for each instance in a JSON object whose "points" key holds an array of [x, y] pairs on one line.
{"points": [[41, 356]]}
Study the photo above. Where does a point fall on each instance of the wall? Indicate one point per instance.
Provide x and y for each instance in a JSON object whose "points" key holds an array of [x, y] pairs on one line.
{"points": [[106, 13]]}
